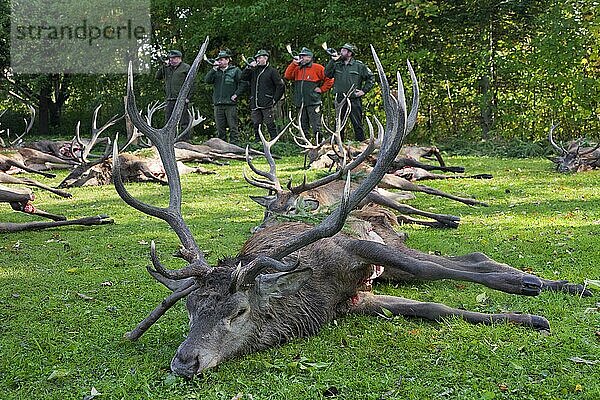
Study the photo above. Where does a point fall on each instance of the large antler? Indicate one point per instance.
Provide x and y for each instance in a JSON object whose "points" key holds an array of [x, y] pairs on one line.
{"points": [[28, 125], [558, 148], [95, 138], [398, 126], [164, 140], [272, 183]]}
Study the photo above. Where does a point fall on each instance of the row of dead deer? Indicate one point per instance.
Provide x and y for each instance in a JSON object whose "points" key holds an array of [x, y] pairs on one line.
{"points": [[290, 278], [91, 169]]}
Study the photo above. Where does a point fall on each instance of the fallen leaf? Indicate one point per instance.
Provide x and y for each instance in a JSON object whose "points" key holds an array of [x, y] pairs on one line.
{"points": [[85, 297], [107, 283], [93, 393], [578, 388], [482, 298], [58, 374], [503, 387], [331, 391]]}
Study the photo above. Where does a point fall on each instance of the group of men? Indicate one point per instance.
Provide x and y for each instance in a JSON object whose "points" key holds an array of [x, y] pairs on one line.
{"points": [[347, 76]]}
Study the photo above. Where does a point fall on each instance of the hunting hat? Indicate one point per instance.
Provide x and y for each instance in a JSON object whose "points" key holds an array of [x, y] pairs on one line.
{"points": [[261, 52], [174, 53], [223, 54], [350, 47], [305, 52]]}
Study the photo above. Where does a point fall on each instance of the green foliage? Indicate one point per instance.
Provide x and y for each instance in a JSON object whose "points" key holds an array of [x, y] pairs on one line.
{"points": [[68, 295], [487, 69]]}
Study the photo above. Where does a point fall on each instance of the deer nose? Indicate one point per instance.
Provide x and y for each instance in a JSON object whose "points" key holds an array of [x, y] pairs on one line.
{"points": [[185, 368]]}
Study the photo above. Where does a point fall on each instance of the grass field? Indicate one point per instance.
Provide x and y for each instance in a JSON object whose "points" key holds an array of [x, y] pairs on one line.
{"points": [[67, 296]]}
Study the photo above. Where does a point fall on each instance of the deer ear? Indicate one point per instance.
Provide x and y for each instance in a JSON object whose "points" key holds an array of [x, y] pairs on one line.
{"points": [[263, 200], [282, 283]]}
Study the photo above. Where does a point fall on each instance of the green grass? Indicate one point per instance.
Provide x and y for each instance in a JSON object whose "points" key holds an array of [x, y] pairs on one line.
{"points": [[55, 344]]}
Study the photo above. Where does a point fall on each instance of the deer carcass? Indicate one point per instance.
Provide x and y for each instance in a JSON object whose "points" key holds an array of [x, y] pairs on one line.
{"points": [[21, 199], [98, 170], [576, 157], [290, 279]]}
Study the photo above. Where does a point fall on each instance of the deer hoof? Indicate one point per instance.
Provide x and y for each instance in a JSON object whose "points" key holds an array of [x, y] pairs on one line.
{"points": [[531, 285], [540, 323]]}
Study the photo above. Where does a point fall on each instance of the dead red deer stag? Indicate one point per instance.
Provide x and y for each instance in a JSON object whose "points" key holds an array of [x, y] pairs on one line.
{"points": [[324, 193], [97, 170], [290, 279], [336, 152], [576, 157], [21, 199]]}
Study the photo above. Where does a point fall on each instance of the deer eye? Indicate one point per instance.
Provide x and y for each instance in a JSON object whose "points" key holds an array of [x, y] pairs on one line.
{"points": [[239, 313]]}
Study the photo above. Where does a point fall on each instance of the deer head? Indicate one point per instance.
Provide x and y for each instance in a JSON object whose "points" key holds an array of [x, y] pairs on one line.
{"points": [[252, 301], [575, 158]]}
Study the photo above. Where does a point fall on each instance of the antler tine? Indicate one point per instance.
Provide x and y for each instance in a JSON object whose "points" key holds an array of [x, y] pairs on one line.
{"points": [[195, 118], [340, 172], [306, 143], [152, 108], [269, 185], [167, 303], [87, 148], [28, 125], [272, 174], [324, 124], [77, 139], [392, 144], [164, 139], [552, 142]]}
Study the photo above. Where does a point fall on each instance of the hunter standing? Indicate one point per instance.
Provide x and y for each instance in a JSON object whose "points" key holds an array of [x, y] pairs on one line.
{"points": [[309, 83], [227, 87], [350, 73], [173, 72], [266, 89]]}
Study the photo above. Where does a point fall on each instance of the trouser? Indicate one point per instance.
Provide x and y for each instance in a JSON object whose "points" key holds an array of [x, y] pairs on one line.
{"points": [[263, 115], [226, 116], [311, 118], [356, 116], [183, 121]]}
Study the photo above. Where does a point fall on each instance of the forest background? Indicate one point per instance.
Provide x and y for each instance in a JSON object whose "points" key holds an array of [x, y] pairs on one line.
{"points": [[490, 72]]}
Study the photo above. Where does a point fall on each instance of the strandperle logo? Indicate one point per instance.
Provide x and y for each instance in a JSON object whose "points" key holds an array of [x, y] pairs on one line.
{"points": [[83, 31], [68, 36]]}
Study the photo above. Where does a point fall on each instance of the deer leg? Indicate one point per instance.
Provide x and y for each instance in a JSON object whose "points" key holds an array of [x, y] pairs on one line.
{"points": [[479, 262], [425, 267], [474, 267], [370, 304], [6, 227], [443, 220]]}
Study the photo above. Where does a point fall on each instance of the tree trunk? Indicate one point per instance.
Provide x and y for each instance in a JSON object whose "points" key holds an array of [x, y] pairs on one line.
{"points": [[44, 108]]}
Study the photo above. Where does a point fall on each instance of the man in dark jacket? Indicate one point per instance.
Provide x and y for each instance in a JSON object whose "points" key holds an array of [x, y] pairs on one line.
{"points": [[266, 89], [227, 86], [350, 73], [173, 72]]}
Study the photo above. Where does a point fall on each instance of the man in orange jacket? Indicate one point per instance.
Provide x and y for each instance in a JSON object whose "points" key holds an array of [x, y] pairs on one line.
{"points": [[309, 83]]}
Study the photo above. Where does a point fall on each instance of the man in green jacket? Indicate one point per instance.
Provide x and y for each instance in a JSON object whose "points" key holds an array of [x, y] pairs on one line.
{"points": [[227, 86], [173, 72], [349, 73]]}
